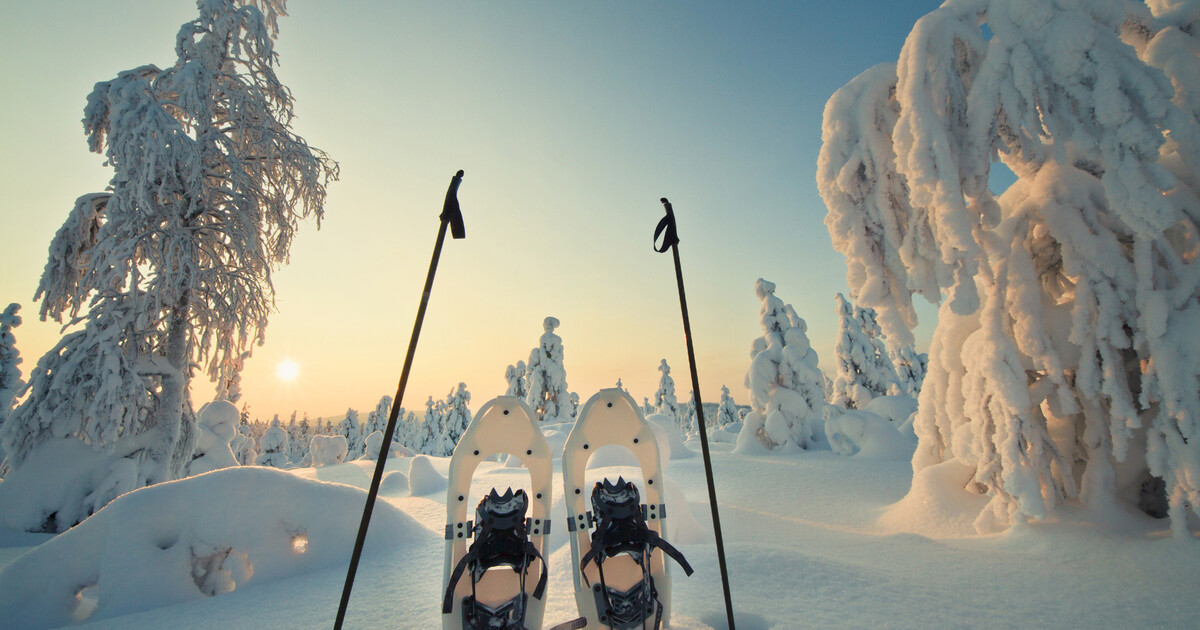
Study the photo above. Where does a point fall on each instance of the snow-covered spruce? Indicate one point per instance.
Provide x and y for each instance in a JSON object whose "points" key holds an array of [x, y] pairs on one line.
{"points": [[515, 376], [273, 447], [727, 410], [664, 397], [10, 374], [1065, 363], [547, 378], [911, 367], [172, 267], [787, 399], [350, 429], [455, 421], [864, 369]]}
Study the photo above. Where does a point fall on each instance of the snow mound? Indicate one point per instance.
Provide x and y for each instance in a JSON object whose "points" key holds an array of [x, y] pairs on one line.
{"points": [[43, 494], [896, 409], [371, 446], [423, 478], [937, 505], [667, 433], [727, 433], [394, 484], [206, 535], [864, 434]]}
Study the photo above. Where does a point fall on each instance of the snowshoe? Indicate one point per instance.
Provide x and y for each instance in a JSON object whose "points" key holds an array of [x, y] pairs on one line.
{"points": [[499, 580], [620, 583]]}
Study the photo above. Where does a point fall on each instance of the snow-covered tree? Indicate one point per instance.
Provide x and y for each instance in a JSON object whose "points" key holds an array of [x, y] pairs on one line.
{"points": [[351, 429], [377, 418], [547, 378], [171, 268], [218, 422], [864, 369], [457, 417], [518, 384], [910, 370], [298, 452], [786, 396], [10, 374], [273, 446], [647, 408], [664, 397], [1065, 360], [727, 410]]}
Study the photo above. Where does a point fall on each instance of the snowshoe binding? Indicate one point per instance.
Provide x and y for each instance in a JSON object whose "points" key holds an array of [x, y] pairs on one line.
{"points": [[621, 530], [501, 540]]}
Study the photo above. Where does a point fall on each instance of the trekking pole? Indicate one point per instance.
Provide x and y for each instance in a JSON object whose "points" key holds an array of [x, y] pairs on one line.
{"points": [[452, 216], [666, 228]]}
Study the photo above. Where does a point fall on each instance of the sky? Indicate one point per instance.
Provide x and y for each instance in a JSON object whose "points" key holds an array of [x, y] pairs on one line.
{"points": [[570, 121]]}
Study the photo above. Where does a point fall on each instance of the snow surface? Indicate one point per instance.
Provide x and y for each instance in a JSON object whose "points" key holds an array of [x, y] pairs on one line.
{"points": [[812, 540]]}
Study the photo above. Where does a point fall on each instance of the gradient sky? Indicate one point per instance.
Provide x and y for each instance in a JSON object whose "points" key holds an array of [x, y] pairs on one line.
{"points": [[570, 119]]}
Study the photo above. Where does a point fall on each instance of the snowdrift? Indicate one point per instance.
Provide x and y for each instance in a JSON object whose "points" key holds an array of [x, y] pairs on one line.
{"points": [[184, 540]]}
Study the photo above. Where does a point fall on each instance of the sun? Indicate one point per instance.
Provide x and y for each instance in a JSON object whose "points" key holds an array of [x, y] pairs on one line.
{"points": [[288, 370]]}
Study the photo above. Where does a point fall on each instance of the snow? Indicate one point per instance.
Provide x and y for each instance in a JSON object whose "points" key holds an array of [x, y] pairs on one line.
{"points": [[861, 548], [178, 542]]}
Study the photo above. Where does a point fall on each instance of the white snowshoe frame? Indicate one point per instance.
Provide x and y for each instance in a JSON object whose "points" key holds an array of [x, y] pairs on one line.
{"points": [[503, 425], [612, 417]]}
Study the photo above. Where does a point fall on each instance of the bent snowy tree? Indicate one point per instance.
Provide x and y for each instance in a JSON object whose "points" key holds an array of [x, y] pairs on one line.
{"points": [[1065, 362], [171, 268]]}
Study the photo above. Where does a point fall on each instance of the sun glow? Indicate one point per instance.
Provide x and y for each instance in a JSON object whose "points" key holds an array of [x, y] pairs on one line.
{"points": [[288, 370]]}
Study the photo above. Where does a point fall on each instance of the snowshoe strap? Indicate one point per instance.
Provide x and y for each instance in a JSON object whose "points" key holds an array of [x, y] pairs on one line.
{"points": [[574, 624], [654, 540], [540, 589], [448, 599]]}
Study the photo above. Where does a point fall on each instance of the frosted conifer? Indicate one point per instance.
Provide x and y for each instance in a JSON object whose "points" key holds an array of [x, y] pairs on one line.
{"points": [[786, 396], [547, 378], [10, 374], [727, 410], [517, 383], [864, 369], [350, 429], [664, 397], [273, 446]]}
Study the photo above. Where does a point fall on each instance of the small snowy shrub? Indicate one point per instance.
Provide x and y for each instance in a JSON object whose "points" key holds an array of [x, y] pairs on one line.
{"points": [[327, 450]]}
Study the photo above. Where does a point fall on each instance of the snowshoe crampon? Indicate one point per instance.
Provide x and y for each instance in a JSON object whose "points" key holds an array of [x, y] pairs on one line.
{"points": [[620, 583], [495, 572]]}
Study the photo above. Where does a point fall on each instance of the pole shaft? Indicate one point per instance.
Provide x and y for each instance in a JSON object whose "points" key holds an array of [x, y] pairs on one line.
{"points": [[712, 489], [393, 416]]}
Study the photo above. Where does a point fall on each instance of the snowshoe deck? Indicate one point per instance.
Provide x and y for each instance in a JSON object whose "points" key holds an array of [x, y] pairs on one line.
{"points": [[491, 569], [620, 582]]}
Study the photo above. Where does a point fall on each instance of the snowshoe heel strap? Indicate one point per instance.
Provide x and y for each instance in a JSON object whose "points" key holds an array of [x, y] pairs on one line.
{"points": [[574, 624]]}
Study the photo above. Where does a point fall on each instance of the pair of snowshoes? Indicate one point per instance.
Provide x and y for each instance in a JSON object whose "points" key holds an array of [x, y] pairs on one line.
{"points": [[620, 583]]}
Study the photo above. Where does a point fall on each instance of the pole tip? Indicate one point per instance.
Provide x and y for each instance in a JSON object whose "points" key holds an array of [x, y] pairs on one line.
{"points": [[459, 173]]}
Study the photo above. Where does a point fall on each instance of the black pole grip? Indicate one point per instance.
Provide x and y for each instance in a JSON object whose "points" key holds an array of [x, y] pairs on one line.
{"points": [[666, 228], [450, 210]]}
